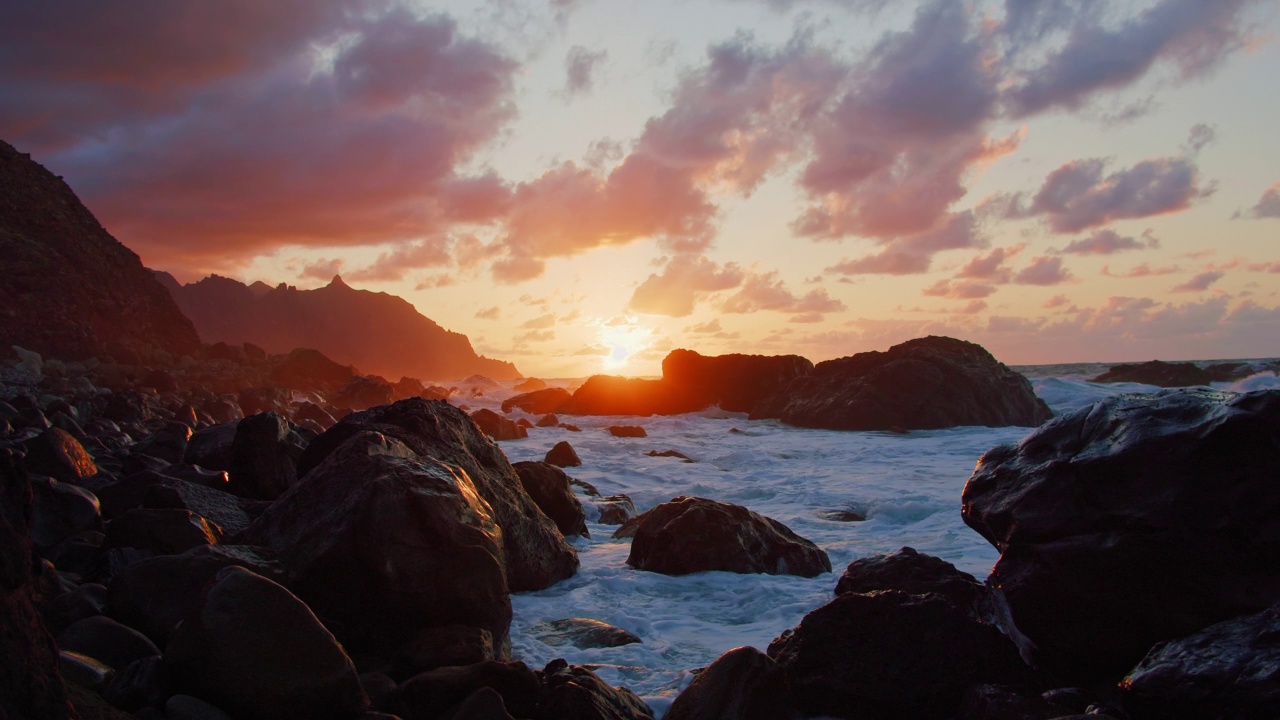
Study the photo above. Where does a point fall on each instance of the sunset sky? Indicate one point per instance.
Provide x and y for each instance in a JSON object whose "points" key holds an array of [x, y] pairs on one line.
{"points": [[584, 185]]}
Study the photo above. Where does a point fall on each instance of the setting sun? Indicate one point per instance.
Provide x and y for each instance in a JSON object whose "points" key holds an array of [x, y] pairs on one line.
{"points": [[622, 337]]}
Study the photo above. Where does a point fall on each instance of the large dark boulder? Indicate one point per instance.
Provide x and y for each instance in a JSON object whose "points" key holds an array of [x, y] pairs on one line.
{"points": [[386, 546], [307, 369], [497, 426], [69, 290], [430, 694], [911, 572], [743, 684], [922, 384], [30, 684], [536, 553], [549, 487], [363, 391], [538, 402], [688, 535], [890, 654], [563, 455], [1231, 669], [735, 382], [61, 511], [572, 692], [263, 457], [1157, 372], [161, 531], [210, 447], [253, 649], [106, 641], [57, 454], [1138, 519], [612, 395]]}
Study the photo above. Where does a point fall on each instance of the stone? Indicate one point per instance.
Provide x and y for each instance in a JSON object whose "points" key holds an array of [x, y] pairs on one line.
{"points": [[1229, 669], [60, 456], [254, 650], [211, 447], [734, 382], [363, 391], [186, 707], [529, 385], [308, 369], [162, 532], [142, 683], [742, 684], [61, 511], [612, 395], [614, 509], [927, 383], [549, 487], [386, 545], [562, 455], [584, 633], [911, 572], [572, 692], [169, 443], [263, 458], [224, 510], [548, 420], [1156, 372], [538, 402], [498, 427], [688, 535], [670, 454], [483, 704], [536, 553], [430, 694], [627, 431], [82, 670], [106, 641], [890, 654], [1138, 519]]}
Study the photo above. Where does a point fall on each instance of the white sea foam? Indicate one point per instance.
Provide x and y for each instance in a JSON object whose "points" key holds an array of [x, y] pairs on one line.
{"points": [[908, 487]]}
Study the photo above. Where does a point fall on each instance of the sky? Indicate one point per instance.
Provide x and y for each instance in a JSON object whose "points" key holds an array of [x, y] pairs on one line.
{"points": [[581, 186]]}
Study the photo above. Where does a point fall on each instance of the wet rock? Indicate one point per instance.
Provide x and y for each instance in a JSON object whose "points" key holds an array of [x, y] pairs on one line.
{"points": [[1139, 519], [615, 509], [60, 456], [627, 431], [933, 382], [61, 511], [529, 385], [1156, 372], [570, 427], [127, 493], [536, 552], [224, 510], [82, 670], [498, 427], [688, 535], [911, 572], [87, 600], [263, 458], [362, 391], [538, 402], [142, 683], [1001, 702], [889, 654], [107, 641], [563, 455], [584, 633], [366, 538], [211, 447], [548, 420], [735, 382], [169, 443], [670, 454], [253, 649], [743, 684], [611, 395], [549, 487], [1230, 669], [430, 694], [572, 692], [162, 532], [186, 707], [483, 704]]}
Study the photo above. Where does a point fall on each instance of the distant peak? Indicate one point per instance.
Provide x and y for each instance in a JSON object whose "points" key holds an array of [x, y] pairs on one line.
{"points": [[337, 282]]}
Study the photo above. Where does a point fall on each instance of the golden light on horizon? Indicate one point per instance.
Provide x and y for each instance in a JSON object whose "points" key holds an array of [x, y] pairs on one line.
{"points": [[623, 336]]}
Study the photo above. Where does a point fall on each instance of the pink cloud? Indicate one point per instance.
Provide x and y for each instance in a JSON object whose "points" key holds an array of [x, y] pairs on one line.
{"points": [[1269, 204], [767, 292], [1078, 196], [393, 264], [1109, 242], [1056, 301], [321, 269], [961, 290], [492, 313], [683, 281], [1199, 283], [991, 266], [1043, 270], [884, 263], [542, 322], [1143, 270]]}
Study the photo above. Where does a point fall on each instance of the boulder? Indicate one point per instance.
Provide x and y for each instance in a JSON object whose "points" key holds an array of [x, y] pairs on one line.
{"points": [[562, 455], [307, 369], [614, 509], [549, 487], [127, 493], [529, 385], [162, 532], [890, 654], [222, 509], [742, 684], [671, 454], [536, 553], [688, 535], [612, 395], [1230, 669], [385, 546], [584, 633], [538, 402], [210, 447], [61, 511], [30, 684], [911, 572], [498, 427], [483, 704], [922, 384], [627, 431], [735, 382], [548, 420], [256, 400], [57, 454], [430, 694], [169, 443], [363, 391], [106, 641], [1159, 373], [254, 650], [1138, 519], [263, 458], [572, 692]]}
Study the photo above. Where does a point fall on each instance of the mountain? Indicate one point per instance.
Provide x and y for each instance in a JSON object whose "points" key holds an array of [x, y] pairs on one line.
{"points": [[376, 332], [68, 289]]}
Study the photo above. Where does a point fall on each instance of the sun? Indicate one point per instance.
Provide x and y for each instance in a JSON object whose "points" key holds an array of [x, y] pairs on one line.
{"points": [[623, 337]]}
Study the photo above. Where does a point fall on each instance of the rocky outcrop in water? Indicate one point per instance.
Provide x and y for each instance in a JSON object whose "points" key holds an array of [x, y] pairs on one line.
{"points": [[69, 289], [1139, 519]]}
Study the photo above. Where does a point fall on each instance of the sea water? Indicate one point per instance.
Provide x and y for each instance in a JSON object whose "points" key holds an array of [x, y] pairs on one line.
{"points": [[907, 486]]}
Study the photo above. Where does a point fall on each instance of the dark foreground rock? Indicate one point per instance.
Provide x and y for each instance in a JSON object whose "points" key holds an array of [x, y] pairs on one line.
{"points": [[627, 431], [743, 684], [1139, 519], [688, 535], [563, 455], [431, 694], [911, 572], [734, 382], [927, 383], [253, 649], [549, 487], [1231, 669], [536, 553], [389, 548], [1157, 372], [572, 692]]}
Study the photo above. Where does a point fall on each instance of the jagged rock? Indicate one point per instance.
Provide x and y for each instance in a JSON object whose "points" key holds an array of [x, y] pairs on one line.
{"points": [[1230, 669], [211, 447], [584, 633], [688, 535], [81, 293], [735, 382], [498, 427], [169, 443], [742, 684], [365, 539], [538, 402], [252, 648], [548, 485], [163, 532], [536, 552], [263, 458], [107, 641], [627, 431], [362, 392], [257, 400], [563, 455], [1138, 519], [60, 456], [1156, 372], [224, 510], [572, 692], [927, 383], [428, 695], [311, 369], [890, 654]]}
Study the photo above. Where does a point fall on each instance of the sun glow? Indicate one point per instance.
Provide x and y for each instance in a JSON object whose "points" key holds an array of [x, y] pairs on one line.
{"points": [[622, 337]]}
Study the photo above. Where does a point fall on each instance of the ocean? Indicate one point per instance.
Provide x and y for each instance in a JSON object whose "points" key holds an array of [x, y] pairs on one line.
{"points": [[907, 486]]}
